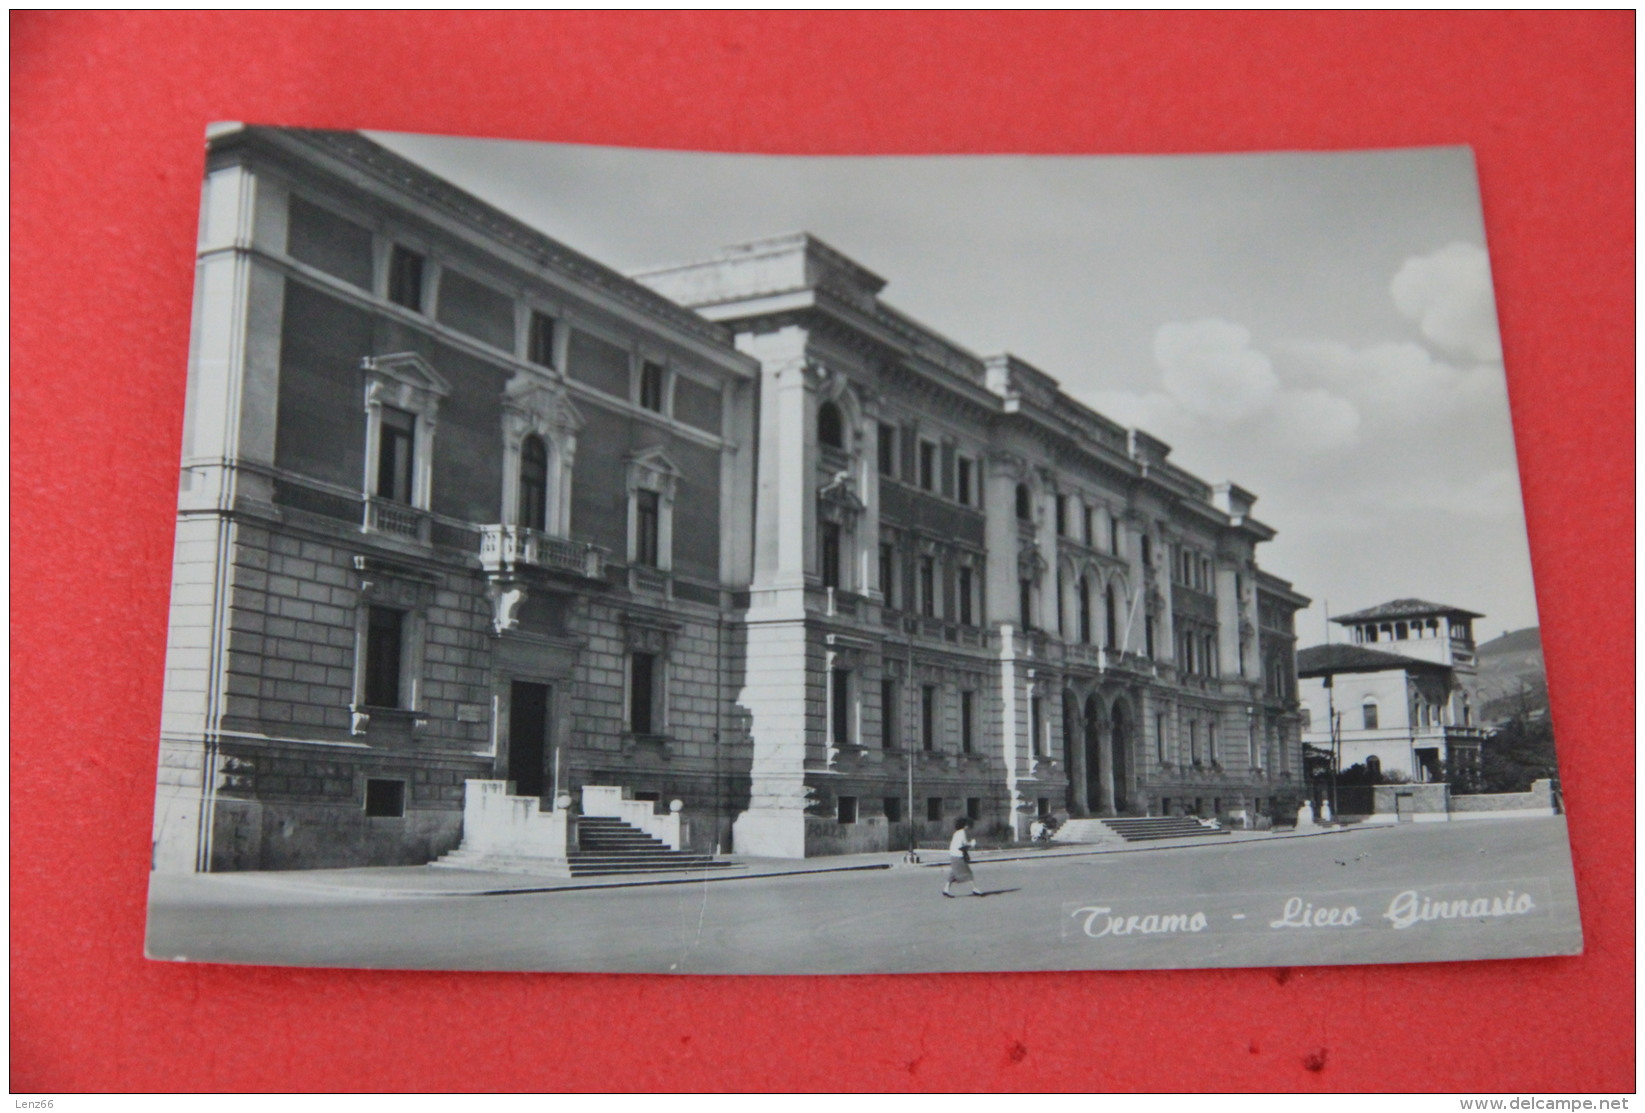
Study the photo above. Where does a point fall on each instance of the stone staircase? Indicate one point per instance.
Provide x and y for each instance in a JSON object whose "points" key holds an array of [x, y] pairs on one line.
{"points": [[607, 846], [1133, 829], [1152, 828]]}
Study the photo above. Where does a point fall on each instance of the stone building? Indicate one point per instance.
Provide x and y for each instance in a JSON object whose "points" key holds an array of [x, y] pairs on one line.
{"points": [[457, 503], [974, 595], [468, 520], [1400, 694]]}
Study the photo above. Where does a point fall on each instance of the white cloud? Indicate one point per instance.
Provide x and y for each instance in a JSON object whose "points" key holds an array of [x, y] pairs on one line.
{"points": [[1392, 383], [1448, 293], [1211, 370]]}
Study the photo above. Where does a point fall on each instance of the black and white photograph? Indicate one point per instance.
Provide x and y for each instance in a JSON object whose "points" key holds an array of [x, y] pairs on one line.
{"points": [[614, 560]]}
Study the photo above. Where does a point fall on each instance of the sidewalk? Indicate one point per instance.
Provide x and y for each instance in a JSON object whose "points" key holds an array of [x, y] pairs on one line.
{"points": [[429, 881]]}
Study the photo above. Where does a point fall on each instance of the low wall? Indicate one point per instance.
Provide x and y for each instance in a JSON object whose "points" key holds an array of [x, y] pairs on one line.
{"points": [[496, 823], [1507, 805], [1435, 803]]}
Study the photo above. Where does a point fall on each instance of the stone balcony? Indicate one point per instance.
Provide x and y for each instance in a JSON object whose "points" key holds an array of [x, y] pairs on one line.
{"points": [[509, 548]]}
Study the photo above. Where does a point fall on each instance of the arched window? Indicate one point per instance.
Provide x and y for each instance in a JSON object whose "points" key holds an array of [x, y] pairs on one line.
{"points": [[830, 426], [1024, 511], [533, 483], [1113, 630]]}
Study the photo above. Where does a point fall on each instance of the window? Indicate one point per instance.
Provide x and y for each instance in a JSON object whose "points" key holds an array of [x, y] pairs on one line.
{"points": [[928, 717], [1113, 534], [396, 435], [965, 592], [533, 483], [1147, 551], [890, 712], [1210, 659], [540, 340], [888, 449], [1058, 601], [840, 707], [402, 403], [385, 798], [933, 808], [1042, 806], [1025, 603], [888, 572], [1112, 619], [928, 466], [1036, 726], [831, 554], [1085, 611], [1193, 741], [968, 721], [647, 528], [1159, 737], [1211, 742], [1025, 510], [830, 426], [847, 809], [405, 278], [893, 809], [1369, 709], [1062, 515], [642, 693], [962, 486], [1148, 635], [651, 386], [1086, 533], [1307, 718], [385, 649], [1255, 749], [973, 807], [928, 587]]}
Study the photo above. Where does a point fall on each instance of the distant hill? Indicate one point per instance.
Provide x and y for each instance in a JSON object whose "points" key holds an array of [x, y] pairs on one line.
{"points": [[1512, 677]]}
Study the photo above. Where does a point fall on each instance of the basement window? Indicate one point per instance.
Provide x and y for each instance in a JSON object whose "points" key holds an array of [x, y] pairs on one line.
{"points": [[848, 809], [385, 798]]}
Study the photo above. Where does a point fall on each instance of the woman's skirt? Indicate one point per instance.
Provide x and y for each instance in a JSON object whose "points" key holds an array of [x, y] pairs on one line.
{"points": [[959, 870]]}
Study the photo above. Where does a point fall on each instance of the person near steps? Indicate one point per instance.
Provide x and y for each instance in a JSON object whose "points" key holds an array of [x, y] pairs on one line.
{"points": [[959, 858]]}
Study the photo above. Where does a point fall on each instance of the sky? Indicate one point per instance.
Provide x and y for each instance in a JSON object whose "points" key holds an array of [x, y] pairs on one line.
{"points": [[1319, 328]]}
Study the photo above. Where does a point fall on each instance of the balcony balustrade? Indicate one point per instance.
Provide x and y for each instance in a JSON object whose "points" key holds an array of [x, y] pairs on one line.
{"points": [[397, 520], [505, 548]]}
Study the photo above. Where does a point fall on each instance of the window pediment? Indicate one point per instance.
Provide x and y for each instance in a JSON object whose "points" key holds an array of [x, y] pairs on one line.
{"points": [[404, 379]]}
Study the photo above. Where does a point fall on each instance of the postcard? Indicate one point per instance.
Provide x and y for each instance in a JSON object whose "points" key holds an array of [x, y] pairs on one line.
{"points": [[593, 559]]}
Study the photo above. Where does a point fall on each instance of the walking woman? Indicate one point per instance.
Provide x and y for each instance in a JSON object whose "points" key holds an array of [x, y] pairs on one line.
{"points": [[959, 858]]}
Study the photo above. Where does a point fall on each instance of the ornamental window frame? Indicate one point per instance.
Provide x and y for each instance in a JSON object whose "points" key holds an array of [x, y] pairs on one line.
{"points": [[540, 409], [407, 383], [653, 472]]}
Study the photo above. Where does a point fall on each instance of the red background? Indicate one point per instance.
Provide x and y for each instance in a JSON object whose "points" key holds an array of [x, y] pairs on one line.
{"points": [[107, 119]]}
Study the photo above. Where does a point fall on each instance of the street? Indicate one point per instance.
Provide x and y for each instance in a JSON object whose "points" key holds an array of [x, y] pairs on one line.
{"points": [[1432, 892]]}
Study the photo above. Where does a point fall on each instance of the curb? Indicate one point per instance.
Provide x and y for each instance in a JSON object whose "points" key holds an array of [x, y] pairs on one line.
{"points": [[504, 891]]}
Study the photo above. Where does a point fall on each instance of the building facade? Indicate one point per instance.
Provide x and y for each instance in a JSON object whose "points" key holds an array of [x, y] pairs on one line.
{"points": [[457, 503], [460, 505], [1399, 697], [974, 595]]}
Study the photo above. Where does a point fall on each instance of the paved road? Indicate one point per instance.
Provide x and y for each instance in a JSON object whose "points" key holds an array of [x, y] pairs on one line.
{"points": [[1512, 877]]}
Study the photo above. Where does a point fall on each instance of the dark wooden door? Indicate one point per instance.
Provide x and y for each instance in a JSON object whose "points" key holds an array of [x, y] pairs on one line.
{"points": [[529, 751]]}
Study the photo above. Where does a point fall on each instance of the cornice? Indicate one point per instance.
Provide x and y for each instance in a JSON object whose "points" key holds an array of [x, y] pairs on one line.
{"points": [[370, 159]]}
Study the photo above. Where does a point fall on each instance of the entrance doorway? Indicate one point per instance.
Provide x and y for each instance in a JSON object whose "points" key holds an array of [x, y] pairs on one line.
{"points": [[1119, 731], [1093, 757], [529, 750]]}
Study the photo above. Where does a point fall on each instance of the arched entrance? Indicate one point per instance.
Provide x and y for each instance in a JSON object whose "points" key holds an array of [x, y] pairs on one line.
{"points": [[1095, 800], [1120, 731]]}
